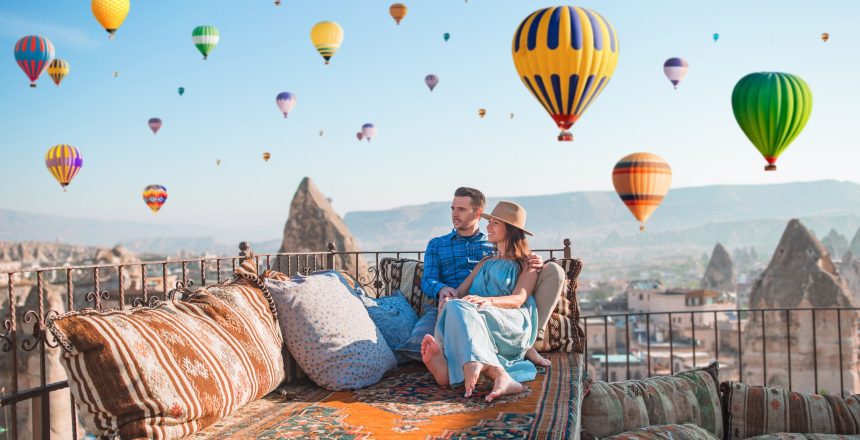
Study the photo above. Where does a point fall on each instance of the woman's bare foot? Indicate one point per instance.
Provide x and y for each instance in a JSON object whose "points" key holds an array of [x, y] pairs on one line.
{"points": [[504, 385], [537, 359], [434, 359], [471, 373]]}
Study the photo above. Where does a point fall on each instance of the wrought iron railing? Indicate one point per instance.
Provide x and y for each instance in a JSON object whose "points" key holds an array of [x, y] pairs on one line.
{"points": [[802, 349]]}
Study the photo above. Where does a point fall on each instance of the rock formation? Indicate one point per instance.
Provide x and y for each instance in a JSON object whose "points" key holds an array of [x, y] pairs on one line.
{"points": [[313, 224], [835, 244], [719, 275], [801, 275], [849, 269], [854, 247]]}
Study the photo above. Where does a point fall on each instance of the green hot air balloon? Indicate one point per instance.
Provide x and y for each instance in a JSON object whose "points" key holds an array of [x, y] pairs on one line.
{"points": [[772, 108], [205, 38], [181, 91], [446, 36]]}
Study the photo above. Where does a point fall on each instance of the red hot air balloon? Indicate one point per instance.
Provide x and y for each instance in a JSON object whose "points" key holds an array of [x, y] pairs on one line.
{"points": [[154, 125], [33, 54], [360, 136]]}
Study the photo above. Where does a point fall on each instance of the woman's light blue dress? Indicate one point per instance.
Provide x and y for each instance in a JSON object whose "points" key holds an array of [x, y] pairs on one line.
{"points": [[489, 334]]}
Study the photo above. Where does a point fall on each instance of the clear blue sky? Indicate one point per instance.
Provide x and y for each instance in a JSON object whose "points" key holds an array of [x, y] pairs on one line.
{"points": [[427, 144]]}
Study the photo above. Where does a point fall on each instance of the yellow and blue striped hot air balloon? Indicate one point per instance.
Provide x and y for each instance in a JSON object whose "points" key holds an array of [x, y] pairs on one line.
{"points": [[326, 37], [642, 181], [57, 70], [565, 56], [64, 161]]}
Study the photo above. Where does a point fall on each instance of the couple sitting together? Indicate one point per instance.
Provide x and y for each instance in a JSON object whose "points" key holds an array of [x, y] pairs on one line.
{"points": [[488, 318]]}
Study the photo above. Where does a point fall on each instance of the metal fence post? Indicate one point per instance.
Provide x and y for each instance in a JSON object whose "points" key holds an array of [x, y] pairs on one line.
{"points": [[329, 258]]}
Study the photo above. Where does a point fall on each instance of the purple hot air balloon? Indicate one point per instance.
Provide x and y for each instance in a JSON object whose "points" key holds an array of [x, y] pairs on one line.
{"points": [[368, 130], [360, 136], [675, 69], [154, 125], [286, 101], [431, 80]]}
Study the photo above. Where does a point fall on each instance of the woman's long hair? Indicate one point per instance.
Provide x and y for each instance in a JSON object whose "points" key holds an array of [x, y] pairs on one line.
{"points": [[516, 246]]}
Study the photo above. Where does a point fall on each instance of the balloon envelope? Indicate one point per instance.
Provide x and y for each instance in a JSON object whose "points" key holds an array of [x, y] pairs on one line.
{"points": [[446, 36], [205, 38], [286, 101], [642, 181], [716, 37], [326, 37], [154, 196], [368, 130], [482, 112], [154, 125], [431, 81], [565, 56], [33, 54], [360, 136], [57, 70], [398, 11], [64, 161], [825, 36], [110, 13], [181, 91], [267, 156], [771, 108], [675, 69]]}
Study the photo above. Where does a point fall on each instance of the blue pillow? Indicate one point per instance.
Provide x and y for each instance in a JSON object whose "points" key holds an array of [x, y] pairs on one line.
{"points": [[394, 318], [411, 349]]}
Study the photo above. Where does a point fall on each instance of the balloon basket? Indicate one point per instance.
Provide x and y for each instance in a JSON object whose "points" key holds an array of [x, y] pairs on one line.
{"points": [[32, 85], [641, 228], [565, 136], [770, 167]]}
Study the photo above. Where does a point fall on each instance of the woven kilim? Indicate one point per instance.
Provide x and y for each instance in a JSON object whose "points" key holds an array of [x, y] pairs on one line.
{"points": [[407, 404]]}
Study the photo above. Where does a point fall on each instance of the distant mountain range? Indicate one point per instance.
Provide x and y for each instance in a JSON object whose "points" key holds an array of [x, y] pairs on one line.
{"points": [[688, 221]]}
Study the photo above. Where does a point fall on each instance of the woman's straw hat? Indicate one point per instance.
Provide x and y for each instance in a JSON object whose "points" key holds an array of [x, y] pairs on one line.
{"points": [[510, 213]]}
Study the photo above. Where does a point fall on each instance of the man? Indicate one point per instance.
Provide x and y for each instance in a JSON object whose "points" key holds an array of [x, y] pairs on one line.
{"points": [[450, 258]]}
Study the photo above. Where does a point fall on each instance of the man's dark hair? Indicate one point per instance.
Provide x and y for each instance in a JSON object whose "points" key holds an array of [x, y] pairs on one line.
{"points": [[477, 197]]}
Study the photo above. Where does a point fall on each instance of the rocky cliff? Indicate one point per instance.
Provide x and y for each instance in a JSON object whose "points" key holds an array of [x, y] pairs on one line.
{"points": [[719, 275], [835, 243], [313, 224]]}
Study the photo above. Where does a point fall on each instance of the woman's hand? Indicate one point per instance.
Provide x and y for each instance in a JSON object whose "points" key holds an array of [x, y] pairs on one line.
{"points": [[479, 301]]}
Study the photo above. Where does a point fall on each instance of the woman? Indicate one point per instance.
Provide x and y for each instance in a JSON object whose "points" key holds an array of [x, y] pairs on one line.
{"points": [[492, 324]]}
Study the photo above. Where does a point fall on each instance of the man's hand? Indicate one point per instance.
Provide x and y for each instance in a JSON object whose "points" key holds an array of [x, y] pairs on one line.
{"points": [[535, 262], [446, 294]]}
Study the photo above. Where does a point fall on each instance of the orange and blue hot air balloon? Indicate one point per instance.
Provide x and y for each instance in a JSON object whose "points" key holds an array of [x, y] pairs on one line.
{"points": [[642, 181], [33, 54], [154, 196], [64, 161], [565, 56]]}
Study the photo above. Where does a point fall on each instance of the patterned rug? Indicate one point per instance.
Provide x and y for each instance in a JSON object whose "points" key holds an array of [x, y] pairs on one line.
{"points": [[409, 405]]}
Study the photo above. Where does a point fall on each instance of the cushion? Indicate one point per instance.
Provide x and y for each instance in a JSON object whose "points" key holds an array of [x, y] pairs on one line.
{"points": [[426, 325], [797, 436], [687, 431], [393, 317], [756, 410], [563, 331], [689, 396], [405, 274], [329, 333], [172, 369]]}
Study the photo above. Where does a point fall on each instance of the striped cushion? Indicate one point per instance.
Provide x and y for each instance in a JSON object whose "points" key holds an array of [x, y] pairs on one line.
{"points": [[796, 436], [687, 431], [170, 370], [687, 397], [757, 410]]}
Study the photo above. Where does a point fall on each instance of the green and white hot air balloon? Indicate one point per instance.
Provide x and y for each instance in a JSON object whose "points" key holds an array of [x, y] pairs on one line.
{"points": [[205, 38]]}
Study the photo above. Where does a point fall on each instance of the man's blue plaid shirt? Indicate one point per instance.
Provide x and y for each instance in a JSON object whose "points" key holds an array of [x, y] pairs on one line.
{"points": [[449, 259]]}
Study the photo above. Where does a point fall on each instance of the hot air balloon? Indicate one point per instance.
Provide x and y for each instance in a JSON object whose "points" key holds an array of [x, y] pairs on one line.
{"points": [[398, 11], [825, 36], [321, 133], [110, 14], [217, 162], [772, 108], [154, 125], [512, 116], [205, 38], [565, 56], [431, 81], [326, 37], [64, 161], [267, 156], [716, 37], [642, 181], [115, 74], [360, 136], [286, 101], [675, 69], [368, 130], [181, 91], [277, 2], [482, 112], [33, 54], [57, 70], [446, 36], [154, 196]]}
